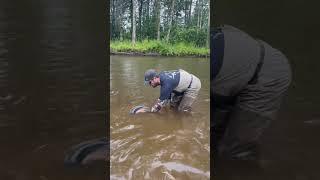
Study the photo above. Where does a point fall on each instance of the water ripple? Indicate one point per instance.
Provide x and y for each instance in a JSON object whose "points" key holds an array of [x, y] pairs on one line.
{"points": [[155, 146]]}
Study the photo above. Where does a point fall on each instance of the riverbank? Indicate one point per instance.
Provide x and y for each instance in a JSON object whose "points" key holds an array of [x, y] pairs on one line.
{"points": [[157, 48]]}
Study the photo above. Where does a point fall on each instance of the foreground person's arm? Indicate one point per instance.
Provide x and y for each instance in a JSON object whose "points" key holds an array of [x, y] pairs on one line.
{"points": [[158, 105], [165, 93]]}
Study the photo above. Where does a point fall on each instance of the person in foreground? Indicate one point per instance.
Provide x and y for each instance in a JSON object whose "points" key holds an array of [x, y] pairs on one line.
{"points": [[249, 79], [179, 89]]}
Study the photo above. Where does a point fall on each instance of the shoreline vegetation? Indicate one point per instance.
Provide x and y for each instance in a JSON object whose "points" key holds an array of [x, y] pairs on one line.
{"points": [[157, 48]]}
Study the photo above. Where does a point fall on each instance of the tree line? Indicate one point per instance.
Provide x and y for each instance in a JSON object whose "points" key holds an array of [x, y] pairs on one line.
{"points": [[172, 21]]}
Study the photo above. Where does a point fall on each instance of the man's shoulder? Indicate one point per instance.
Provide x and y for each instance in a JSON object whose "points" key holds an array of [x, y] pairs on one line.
{"points": [[169, 73], [169, 76]]}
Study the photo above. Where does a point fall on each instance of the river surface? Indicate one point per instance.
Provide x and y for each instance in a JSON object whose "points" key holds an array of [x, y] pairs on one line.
{"points": [[51, 95], [157, 146]]}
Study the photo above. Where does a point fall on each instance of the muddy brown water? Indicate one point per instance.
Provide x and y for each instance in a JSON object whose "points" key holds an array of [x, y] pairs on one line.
{"points": [[51, 69], [157, 146]]}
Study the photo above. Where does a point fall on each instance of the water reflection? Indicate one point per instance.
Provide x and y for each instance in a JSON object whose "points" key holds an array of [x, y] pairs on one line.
{"points": [[51, 69], [88, 152]]}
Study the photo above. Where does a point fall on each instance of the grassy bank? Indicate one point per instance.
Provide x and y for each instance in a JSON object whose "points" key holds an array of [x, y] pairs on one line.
{"points": [[158, 47]]}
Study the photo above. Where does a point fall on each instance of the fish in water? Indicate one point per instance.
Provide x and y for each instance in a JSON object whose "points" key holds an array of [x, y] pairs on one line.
{"points": [[87, 152], [139, 109]]}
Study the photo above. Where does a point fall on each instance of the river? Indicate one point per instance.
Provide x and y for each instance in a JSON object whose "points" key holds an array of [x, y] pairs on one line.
{"points": [[51, 95], [153, 146]]}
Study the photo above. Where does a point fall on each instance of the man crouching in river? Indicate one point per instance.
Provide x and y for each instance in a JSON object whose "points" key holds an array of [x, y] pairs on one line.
{"points": [[249, 80], [178, 88]]}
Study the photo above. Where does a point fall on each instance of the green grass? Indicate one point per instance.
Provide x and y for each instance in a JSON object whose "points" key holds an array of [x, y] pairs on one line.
{"points": [[160, 47]]}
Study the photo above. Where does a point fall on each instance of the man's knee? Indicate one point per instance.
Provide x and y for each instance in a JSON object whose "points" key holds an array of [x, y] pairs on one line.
{"points": [[240, 151], [242, 136], [175, 101], [186, 103]]}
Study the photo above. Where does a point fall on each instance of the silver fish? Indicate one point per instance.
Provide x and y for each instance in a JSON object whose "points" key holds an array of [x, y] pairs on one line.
{"points": [[139, 109]]}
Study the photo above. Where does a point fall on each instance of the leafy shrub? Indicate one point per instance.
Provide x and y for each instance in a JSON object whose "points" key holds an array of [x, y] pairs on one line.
{"points": [[161, 47]]}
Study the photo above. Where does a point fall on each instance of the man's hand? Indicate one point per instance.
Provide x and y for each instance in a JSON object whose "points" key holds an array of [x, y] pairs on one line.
{"points": [[156, 108], [153, 109], [159, 104]]}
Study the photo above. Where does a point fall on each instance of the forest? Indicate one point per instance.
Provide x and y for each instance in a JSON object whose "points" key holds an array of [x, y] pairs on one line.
{"points": [[166, 27]]}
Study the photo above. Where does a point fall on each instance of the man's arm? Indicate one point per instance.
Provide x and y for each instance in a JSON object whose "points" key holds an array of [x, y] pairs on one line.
{"points": [[159, 104], [165, 94]]}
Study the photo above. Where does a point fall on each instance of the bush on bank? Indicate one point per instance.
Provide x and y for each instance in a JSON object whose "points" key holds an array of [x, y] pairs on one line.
{"points": [[159, 47]]}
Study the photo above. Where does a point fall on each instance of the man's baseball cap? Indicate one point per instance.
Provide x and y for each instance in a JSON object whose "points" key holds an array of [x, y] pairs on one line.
{"points": [[148, 75]]}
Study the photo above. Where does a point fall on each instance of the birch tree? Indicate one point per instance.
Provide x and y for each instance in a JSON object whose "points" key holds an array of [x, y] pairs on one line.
{"points": [[133, 21], [170, 19]]}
